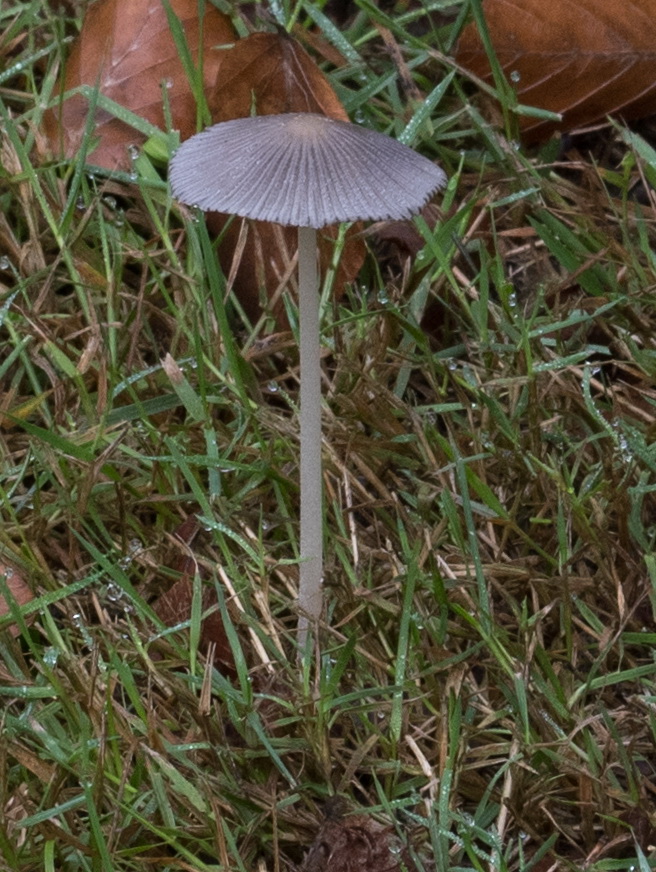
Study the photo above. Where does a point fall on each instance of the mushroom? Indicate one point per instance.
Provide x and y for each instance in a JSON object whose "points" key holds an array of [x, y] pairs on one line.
{"points": [[308, 171]]}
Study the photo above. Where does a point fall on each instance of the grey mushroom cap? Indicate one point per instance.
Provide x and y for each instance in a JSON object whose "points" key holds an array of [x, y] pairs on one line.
{"points": [[303, 170]]}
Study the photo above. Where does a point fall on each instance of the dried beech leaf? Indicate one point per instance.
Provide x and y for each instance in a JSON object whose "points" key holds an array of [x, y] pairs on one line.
{"points": [[267, 254], [320, 45], [174, 606], [275, 74], [401, 238], [19, 590], [126, 47], [272, 73], [586, 60]]}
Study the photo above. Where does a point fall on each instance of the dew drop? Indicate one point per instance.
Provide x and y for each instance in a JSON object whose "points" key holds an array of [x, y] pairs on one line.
{"points": [[4, 263], [51, 656], [515, 76]]}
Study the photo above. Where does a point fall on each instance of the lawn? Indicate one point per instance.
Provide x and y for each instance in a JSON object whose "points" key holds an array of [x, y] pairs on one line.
{"points": [[482, 692]]}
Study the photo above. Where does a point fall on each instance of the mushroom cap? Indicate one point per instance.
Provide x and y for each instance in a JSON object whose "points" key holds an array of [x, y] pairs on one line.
{"points": [[302, 169]]}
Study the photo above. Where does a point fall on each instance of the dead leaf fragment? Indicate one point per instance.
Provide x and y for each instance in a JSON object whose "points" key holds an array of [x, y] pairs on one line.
{"points": [[174, 606], [585, 60], [271, 73], [264, 265], [127, 49], [18, 589], [274, 74]]}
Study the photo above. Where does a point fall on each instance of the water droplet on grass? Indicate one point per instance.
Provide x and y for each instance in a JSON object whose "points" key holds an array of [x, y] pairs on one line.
{"points": [[51, 656]]}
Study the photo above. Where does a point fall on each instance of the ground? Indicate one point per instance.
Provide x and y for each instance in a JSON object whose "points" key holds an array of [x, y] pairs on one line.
{"points": [[481, 695]]}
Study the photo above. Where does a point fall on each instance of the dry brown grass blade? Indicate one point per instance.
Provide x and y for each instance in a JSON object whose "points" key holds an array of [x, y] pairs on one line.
{"points": [[126, 48], [586, 60]]}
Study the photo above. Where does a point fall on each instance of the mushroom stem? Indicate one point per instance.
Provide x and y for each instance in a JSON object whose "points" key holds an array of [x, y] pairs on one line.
{"points": [[311, 566]]}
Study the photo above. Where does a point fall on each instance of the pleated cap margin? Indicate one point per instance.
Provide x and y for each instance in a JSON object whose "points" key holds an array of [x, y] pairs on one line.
{"points": [[302, 169]]}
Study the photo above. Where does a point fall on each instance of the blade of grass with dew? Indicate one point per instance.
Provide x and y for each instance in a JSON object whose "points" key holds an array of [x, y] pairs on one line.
{"points": [[410, 556]]}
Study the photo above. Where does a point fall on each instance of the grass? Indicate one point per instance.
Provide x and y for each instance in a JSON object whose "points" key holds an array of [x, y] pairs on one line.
{"points": [[486, 681]]}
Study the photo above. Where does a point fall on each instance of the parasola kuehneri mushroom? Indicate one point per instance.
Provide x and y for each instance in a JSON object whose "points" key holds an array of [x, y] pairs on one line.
{"points": [[307, 171]]}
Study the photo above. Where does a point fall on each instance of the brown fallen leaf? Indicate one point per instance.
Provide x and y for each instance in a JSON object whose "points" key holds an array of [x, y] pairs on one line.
{"points": [[127, 49], [266, 255], [315, 40], [18, 589], [174, 606], [402, 237], [273, 73], [586, 60]]}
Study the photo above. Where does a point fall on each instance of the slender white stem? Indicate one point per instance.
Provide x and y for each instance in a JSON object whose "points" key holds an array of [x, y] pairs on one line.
{"points": [[311, 569]]}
